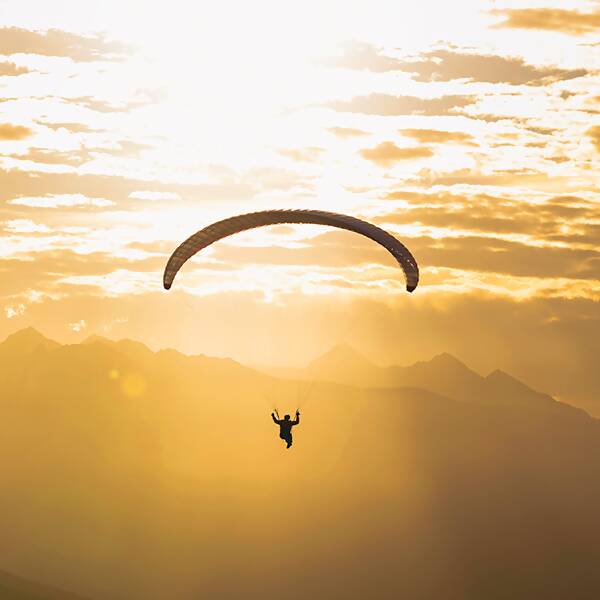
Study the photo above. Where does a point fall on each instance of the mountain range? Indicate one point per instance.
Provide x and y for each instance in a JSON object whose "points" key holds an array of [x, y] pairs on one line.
{"points": [[443, 374], [128, 473]]}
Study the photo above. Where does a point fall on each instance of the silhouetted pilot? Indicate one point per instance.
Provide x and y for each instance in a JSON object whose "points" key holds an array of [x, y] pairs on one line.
{"points": [[285, 427]]}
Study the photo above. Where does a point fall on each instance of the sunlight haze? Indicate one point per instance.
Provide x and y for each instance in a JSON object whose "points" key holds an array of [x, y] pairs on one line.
{"points": [[468, 129]]}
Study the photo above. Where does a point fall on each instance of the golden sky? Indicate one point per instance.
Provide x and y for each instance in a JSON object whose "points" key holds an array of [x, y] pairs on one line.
{"points": [[469, 129]]}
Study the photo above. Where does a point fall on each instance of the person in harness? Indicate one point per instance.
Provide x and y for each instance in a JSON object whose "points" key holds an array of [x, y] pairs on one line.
{"points": [[285, 427]]}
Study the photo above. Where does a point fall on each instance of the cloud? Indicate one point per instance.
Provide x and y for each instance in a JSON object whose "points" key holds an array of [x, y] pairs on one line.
{"points": [[9, 69], [347, 132], [104, 106], [69, 127], [55, 157], [495, 255], [25, 226], [55, 42], [362, 57], [387, 153], [594, 133], [83, 154], [150, 195], [475, 254], [387, 105], [446, 65], [434, 136], [500, 177], [14, 132], [61, 200], [311, 154], [46, 270], [550, 19], [78, 326], [16, 310], [15, 182], [541, 130], [556, 238], [524, 215]]}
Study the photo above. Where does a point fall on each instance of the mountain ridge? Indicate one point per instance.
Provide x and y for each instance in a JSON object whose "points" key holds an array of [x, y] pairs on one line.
{"points": [[174, 460], [443, 374]]}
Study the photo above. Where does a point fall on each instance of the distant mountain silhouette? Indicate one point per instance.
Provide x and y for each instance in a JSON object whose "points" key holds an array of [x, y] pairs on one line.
{"points": [[340, 362], [128, 473], [130, 348], [26, 341], [444, 374]]}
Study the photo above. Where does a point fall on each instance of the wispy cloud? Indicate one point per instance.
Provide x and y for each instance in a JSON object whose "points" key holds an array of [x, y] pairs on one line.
{"points": [[78, 326], [363, 56], [61, 200], [594, 133], [551, 19], [302, 154], [25, 226], [388, 105], [150, 195], [347, 132], [54, 42], [14, 132], [10, 69], [448, 65], [435, 136], [387, 153]]}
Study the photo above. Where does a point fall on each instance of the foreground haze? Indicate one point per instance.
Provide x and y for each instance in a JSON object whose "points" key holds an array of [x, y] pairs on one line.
{"points": [[469, 129], [131, 474]]}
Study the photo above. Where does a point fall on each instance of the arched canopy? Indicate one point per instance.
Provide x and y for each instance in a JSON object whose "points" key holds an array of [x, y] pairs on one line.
{"points": [[221, 229]]}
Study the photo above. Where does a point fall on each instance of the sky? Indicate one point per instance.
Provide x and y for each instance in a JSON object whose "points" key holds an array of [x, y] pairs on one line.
{"points": [[470, 130]]}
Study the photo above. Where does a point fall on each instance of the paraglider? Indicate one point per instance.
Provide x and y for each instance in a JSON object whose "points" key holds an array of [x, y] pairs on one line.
{"points": [[232, 225], [221, 229], [285, 427]]}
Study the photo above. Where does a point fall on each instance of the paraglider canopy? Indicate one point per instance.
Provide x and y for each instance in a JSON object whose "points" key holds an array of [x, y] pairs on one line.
{"points": [[221, 229]]}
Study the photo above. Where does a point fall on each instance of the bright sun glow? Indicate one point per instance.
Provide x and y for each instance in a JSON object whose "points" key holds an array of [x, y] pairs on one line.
{"points": [[459, 127]]}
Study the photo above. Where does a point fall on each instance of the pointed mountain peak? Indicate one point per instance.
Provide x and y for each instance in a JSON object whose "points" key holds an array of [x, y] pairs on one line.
{"points": [[27, 340], [499, 374], [342, 356], [505, 389], [499, 377], [444, 370], [444, 362], [29, 333], [446, 358]]}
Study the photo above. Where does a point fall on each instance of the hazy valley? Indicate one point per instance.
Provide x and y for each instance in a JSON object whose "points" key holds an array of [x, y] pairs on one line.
{"points": [[133, 474]]}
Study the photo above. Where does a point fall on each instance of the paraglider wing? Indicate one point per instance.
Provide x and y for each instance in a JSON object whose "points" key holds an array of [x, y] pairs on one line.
{"points": [[217, 231]]}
